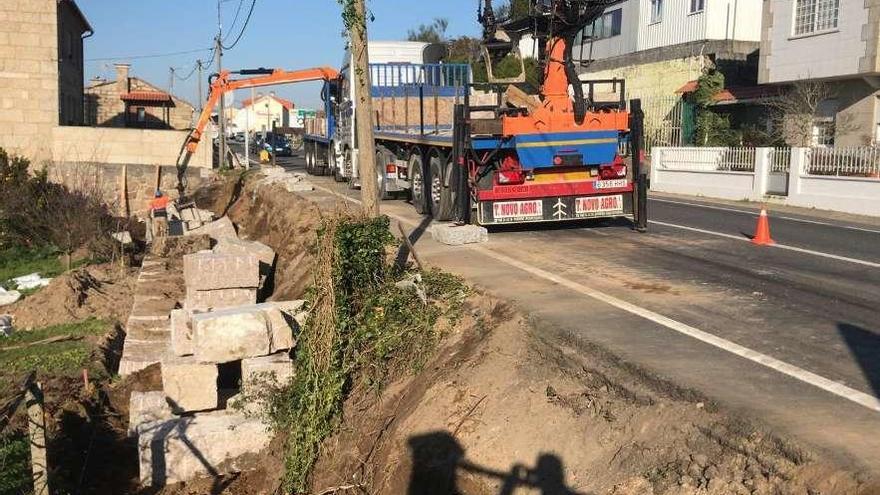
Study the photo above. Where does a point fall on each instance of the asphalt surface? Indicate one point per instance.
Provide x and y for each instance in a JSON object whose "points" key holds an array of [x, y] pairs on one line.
{"points": [[811, 303]]}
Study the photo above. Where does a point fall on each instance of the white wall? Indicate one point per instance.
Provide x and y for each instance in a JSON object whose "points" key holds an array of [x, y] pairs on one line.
{"points": [[677, 25], [734, 19], [689, 171], [254, 119], [622, 44], [124, 146], [831, 54]]}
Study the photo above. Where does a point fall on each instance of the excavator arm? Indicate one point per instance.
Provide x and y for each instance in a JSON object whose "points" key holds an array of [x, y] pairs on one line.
{"points": [[223, 83]]}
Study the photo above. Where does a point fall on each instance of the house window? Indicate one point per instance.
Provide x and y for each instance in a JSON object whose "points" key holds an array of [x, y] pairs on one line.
{"points": [[656, 11], [697, 6], [824, 123], [606, 26], [141, 115], [815, 16]]}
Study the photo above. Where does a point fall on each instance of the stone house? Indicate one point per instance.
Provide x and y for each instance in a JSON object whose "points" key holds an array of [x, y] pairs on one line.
{"points": [[133, 102], [836, 44], [41, 72]]}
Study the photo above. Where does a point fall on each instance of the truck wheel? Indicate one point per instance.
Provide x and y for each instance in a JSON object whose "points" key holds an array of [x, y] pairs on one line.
{"points": [[441, 202], [307, 149], [381, 161], [417, 183], [335, 168]]}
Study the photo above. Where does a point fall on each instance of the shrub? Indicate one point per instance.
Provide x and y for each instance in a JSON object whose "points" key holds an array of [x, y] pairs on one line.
{"points": [[37, 213]]}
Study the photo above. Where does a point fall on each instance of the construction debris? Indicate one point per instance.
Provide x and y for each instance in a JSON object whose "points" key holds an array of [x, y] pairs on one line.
{"points": [[8, 296], [457, 235], [291, 181]]}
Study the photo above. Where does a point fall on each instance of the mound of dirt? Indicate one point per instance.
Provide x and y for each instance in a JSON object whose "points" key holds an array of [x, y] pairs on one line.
{"points": [[99, 291], [504, 408]]}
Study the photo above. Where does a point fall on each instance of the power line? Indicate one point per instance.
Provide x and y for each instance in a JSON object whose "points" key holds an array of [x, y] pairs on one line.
{"points": [[235, 19], [191, 72], [154, 55], [243, 28]]}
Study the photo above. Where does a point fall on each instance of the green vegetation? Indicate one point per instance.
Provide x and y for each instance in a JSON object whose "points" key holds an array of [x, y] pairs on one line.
{"points": [[362, 329], [15, 466], [25, 351], [17, 261], [712, 128], [37, 214]]}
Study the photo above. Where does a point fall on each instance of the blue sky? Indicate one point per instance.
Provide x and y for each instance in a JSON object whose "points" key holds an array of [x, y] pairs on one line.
{"points": [[288, 34]]}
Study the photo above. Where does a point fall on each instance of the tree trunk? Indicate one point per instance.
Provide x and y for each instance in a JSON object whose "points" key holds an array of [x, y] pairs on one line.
{"points": [[364, 112]]}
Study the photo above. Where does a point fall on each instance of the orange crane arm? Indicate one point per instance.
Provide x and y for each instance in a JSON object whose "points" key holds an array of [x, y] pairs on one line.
{"points": [[223, 84]]}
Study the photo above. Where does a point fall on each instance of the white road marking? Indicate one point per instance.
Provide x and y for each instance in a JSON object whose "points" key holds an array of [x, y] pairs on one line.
{"points": [[808, 377], [755, 213], [779, 246]]}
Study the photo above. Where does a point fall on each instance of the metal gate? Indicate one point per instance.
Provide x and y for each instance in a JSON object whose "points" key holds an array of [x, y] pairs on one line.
{"points": [[780, 165]]}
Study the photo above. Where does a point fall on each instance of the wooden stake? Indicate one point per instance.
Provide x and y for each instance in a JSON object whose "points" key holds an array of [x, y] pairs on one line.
{"points": [[410, 246], [37, 433]]}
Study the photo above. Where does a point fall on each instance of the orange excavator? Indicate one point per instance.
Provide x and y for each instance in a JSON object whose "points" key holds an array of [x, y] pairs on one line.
{"points": [[221, 83]]}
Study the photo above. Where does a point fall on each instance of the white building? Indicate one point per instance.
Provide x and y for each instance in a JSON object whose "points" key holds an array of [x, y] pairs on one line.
{"points": [[263, 113], [835, 41]]}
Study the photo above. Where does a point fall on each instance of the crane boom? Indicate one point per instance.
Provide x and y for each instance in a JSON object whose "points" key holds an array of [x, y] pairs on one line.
{"points": [[222, 83]]}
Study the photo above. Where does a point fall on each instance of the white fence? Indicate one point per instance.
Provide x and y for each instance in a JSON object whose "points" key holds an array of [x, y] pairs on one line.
{"points": [[840, 179]]}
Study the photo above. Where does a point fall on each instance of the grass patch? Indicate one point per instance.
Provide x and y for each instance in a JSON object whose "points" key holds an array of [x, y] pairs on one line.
{"points": [[53, 358], [362, 329], [15, 262], [15, 467]]}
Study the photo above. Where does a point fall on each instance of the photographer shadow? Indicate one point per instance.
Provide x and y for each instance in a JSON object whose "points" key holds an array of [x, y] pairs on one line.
{"points": [[438, 460]]}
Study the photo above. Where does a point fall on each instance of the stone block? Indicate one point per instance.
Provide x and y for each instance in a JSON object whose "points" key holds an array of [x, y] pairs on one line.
{"points": [[456, 235], [181, 333], [199, 215], [210, 300], [145, 408], [230, 335], [264, 253], [210, 444], [218, 229], [277, 368], [189, 385], [210, 271]]}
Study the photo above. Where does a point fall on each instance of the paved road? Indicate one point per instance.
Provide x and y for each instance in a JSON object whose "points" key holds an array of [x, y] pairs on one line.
{"points": [[788, 334]]}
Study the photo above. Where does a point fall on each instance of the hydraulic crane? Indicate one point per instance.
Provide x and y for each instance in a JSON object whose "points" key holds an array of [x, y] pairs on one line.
{"points": [[221, 83]]}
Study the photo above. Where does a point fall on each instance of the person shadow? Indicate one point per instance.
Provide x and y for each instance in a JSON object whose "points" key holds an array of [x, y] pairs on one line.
{"points": [[438, 459]]}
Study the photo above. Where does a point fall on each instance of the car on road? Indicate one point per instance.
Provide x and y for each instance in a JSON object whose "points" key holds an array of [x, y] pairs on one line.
{"points": [[277, 144]]}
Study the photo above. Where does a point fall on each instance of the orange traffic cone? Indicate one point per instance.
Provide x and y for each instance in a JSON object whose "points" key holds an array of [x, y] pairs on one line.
{"points": [[762, 232]]}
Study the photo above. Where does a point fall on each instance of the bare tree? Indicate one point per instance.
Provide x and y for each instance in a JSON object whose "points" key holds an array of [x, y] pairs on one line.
{"points": [[795, 110]]}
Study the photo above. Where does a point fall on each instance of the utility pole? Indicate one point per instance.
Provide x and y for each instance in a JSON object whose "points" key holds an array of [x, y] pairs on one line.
{"points": [[201, 99], [364, 111], [171, 81], [222, 116]]}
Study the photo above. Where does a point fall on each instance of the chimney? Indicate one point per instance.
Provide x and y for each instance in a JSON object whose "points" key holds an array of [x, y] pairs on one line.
{"points": [[122, 77]]}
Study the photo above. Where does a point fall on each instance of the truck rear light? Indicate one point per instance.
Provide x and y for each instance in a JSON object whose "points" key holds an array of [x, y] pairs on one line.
{"points": [[391, 169], [615, 171], [511, 172]]}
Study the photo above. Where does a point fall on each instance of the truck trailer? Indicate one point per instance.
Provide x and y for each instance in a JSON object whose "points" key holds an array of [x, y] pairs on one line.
{"points": [[490, 153]]}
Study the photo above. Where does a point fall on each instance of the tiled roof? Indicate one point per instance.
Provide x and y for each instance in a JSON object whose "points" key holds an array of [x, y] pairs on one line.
{"points": [[153, 96], [736, 94]]}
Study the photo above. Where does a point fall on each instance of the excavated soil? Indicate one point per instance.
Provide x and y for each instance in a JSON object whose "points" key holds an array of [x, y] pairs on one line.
{"points": [[98, 291], [505, 408]]}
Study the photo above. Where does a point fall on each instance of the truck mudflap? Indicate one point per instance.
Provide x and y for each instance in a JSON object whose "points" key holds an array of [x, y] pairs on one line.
{"points": [[554, 209]]}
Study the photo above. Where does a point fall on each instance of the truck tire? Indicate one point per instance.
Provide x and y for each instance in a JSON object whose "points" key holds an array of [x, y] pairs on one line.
{"points": [[335, 168], [381, 161], [441, 196], [310, 163], [417, 183]]}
